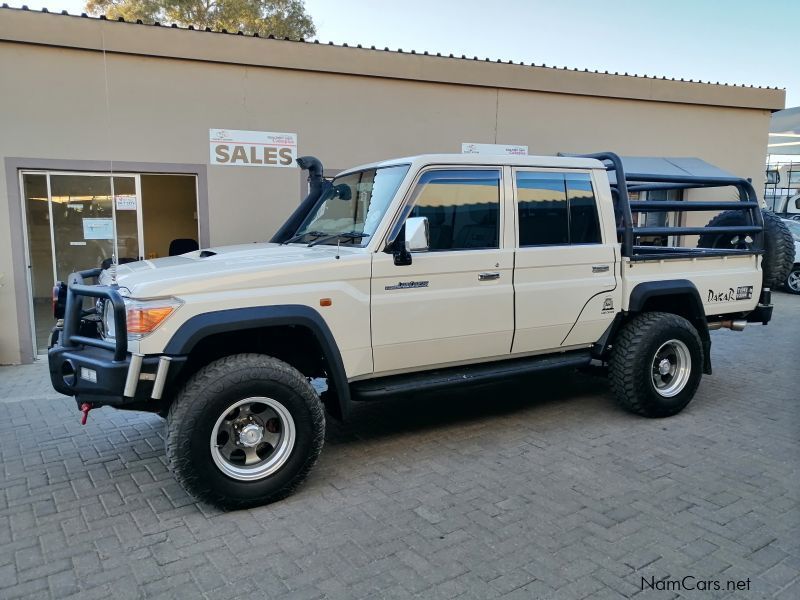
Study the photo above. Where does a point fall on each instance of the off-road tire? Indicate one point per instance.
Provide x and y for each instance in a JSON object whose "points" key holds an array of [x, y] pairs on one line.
{"points": [[205, 397], [632, 357], [778, 243]]}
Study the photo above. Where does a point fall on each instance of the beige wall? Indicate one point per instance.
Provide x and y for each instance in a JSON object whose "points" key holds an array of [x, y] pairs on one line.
{"points": [[159, 110]]}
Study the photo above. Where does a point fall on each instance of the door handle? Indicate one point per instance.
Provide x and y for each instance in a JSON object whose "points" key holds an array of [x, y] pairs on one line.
{"points": [[488, 276], [600, 268]]}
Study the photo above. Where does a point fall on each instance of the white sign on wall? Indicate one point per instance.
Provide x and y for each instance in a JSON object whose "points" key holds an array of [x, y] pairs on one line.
{"points": [[468, 148], [237, 148], [98, 229], [125, 201]]}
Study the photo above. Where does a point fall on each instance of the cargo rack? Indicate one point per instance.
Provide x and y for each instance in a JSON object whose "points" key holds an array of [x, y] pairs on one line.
{"points": [[628, 234]]}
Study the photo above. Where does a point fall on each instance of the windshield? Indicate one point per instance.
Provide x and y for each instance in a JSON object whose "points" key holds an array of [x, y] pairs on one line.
{"points": [[353, 204]]}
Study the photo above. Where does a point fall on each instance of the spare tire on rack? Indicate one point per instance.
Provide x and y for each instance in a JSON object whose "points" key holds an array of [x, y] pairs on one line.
{"points": [[778, 243]]}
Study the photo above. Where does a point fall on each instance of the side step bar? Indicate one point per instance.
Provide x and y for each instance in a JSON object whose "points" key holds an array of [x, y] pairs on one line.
{"points": [[427, 381]]}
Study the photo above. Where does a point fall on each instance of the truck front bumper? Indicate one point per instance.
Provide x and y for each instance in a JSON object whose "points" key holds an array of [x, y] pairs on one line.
{"points": [[92, 375], [99, 371]]}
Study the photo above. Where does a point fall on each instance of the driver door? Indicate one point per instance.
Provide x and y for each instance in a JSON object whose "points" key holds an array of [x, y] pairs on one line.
{"points": [[454, 302]]}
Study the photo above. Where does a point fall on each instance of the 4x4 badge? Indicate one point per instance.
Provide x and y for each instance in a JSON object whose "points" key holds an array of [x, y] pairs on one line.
{"points": [[405, 285]]}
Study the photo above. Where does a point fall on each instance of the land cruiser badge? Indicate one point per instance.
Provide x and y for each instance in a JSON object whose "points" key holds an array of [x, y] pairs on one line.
{"points": [[608, 306], [406, 285]]}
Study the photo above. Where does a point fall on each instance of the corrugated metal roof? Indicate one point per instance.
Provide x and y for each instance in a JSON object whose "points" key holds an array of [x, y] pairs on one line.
{"points": [[398, 51]]}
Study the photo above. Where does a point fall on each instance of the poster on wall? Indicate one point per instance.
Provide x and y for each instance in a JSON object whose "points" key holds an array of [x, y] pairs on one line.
{"points": [[125, 201], [238, 148], [98, 229], [504, 149]]}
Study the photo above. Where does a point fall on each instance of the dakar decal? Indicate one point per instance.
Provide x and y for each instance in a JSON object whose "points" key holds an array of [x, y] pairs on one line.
{"points": [[743, 292], [608, 306], [407, 285]]}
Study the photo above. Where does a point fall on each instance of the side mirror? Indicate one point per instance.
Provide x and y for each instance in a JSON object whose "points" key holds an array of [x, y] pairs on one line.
{"points": [[342, 192], [414, 236], [418, 234]]}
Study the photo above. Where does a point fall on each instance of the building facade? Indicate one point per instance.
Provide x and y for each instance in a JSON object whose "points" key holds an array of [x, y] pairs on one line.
{"points": [[111, 133]]}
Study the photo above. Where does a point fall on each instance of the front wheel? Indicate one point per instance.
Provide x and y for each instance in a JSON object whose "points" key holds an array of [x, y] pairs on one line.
{"points": [[244, 431], [656, 364]]}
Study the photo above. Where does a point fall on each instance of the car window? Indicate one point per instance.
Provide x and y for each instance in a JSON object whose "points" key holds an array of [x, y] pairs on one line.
{"points": [[556, 209], [542, 209], [355, 202], [794, 228], [462, 207], [584, 226]]}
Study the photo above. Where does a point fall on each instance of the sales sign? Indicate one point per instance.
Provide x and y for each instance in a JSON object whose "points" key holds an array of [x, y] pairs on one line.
{"points": [[238, 148]]}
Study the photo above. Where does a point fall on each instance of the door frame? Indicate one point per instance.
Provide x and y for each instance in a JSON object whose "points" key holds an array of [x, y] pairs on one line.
{"points": [[18, 241]]}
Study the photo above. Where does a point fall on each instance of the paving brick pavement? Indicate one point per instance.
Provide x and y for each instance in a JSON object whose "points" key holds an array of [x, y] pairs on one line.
{"points": [[542, 490]]}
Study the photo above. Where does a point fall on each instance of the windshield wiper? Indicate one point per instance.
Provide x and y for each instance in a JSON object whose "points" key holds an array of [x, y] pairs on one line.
{"points": [[349, 235], [300, 236]]}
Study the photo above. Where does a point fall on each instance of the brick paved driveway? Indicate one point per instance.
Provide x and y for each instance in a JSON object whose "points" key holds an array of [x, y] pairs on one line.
{"points": [[543, 490]]}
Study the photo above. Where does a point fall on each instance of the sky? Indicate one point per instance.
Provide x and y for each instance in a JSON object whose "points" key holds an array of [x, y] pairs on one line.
{"points": [[748, 42]]}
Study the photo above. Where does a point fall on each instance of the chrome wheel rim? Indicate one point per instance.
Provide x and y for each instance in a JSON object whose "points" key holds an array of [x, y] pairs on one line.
{"points": [[253, 438], [672, 365], [794, 281]]}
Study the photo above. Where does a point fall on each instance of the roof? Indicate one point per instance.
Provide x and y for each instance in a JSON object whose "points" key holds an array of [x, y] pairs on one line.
{"points": [[672, 165], [99, 34], [668, 166], [563, 162]]}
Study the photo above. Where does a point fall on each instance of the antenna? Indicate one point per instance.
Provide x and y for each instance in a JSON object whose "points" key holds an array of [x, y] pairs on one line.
{"points": [[114, 249]]}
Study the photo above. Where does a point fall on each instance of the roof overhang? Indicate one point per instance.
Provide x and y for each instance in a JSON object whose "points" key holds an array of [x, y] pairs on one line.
{"points": [[85, 33]]}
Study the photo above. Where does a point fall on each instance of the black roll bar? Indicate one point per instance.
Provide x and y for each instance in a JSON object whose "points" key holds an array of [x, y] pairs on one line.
{"points": [[73, 313], [639, 182]]}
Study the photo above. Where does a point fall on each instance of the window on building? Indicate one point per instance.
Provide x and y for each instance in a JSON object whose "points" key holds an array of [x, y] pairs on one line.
{"points": [[462, 207], [556, 209]]}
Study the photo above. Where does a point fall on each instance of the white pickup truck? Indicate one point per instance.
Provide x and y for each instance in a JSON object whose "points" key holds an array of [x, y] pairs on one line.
{"points": [[413, 274]]}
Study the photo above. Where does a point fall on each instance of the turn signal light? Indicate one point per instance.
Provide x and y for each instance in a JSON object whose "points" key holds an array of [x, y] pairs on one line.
{"points": [[146, 319]]}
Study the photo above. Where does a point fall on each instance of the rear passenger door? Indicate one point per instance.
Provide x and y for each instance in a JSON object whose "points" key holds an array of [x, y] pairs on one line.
{"points": [[564, 276], [453, 303]]}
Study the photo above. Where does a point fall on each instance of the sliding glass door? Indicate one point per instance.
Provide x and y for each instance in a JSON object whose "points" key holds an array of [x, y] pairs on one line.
{"points": [[76, 221]]}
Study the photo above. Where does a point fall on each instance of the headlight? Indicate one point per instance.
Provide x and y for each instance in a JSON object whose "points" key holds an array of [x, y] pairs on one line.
{"points": [[141, 316]]}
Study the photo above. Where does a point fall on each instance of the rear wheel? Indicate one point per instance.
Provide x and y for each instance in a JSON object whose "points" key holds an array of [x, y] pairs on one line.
{"points": [[656, 364], [244, 431]]}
